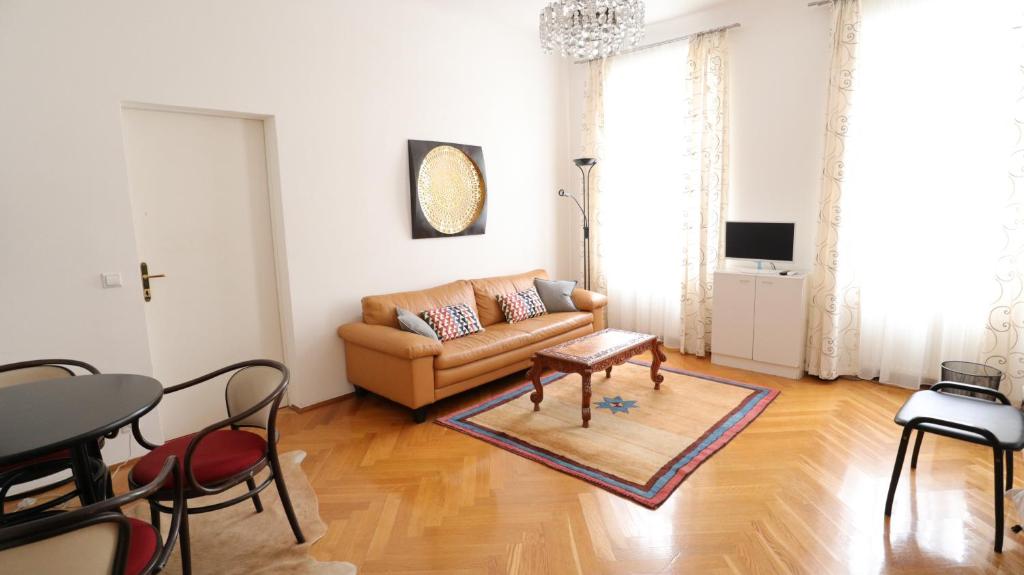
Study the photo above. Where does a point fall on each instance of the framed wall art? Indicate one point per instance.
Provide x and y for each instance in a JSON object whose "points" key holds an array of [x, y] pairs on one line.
{"points": [[448, 189]]}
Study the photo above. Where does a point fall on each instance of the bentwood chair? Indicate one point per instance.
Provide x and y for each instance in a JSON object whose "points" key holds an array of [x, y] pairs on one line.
{"points": [[14, 474], [995, 424], [97, 538], [223, 455]]}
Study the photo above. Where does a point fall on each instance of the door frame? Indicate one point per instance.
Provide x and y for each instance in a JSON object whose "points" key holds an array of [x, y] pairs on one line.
{"points": [[274, 200]]}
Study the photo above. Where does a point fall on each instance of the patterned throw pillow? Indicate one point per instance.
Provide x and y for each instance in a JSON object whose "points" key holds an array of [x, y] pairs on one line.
{"points": [[521, 305], [452, 321]]}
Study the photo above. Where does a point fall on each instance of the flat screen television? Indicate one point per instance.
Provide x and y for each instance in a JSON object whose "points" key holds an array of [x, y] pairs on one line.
{"points": [[759, 241]]}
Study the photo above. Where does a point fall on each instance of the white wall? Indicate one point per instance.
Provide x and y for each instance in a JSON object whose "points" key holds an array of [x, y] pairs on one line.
{"points": [[346, 82], [778, 73]]}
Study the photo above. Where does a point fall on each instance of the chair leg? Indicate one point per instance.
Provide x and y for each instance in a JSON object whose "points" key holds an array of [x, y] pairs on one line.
{"points": [[256, 496], [154, 515], [917, 449], [184, 546], [900, 456], [286, 501], [998, 453], [1009, 469]]}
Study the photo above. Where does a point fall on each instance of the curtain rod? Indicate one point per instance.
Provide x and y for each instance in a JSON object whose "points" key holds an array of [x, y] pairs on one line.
{"points": [[669, 41]]}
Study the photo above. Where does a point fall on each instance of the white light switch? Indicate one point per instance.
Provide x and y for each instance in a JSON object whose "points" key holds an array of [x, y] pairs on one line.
{"points": [[111, 280]]}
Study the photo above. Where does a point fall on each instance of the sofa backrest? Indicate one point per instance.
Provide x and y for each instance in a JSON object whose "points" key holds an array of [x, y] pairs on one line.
{"points": [[487, 289], [380, 309]]}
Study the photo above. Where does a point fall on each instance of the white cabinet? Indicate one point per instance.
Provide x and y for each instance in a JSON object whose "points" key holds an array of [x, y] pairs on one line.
{"points": [[759, 322], [732, 325]]}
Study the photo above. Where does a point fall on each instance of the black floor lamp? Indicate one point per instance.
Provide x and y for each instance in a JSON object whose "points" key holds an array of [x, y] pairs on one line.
{"points": [[585, 210]]}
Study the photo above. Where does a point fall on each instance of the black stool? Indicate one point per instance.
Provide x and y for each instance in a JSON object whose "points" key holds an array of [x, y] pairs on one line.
{"points": [[963, 372], [996, 424]]}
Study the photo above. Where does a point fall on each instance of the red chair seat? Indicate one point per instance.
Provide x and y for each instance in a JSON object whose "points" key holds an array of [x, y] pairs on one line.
{"points": [[54, 456], [220, 455], [142, 546]]}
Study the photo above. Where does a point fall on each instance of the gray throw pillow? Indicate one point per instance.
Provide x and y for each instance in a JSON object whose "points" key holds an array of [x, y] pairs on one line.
{"points": [[411, 322], [556, 295]]}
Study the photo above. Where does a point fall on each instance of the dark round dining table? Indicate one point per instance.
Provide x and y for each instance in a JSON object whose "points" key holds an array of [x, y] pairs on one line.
{"points": [[72, 413]]}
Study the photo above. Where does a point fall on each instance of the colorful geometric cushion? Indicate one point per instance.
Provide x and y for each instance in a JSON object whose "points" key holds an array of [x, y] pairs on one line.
{"points": [[521, 305], [452, 321]]}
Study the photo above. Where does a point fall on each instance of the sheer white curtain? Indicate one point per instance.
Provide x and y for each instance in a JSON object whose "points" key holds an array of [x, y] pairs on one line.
{"points": [[643, 201], [926, 181]]}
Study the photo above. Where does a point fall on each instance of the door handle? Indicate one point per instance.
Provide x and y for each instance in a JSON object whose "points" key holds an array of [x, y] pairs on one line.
{"points": [[146, 276]]}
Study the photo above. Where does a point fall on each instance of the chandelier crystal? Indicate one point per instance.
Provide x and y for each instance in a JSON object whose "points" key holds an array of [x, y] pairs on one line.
{"points": [[586, 29]]}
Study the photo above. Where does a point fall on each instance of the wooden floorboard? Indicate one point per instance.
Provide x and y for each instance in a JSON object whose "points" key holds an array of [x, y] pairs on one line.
{"points": [[801, 490]]}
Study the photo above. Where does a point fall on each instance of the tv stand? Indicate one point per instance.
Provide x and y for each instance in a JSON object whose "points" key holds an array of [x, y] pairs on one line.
{"points": [[758, 322]]}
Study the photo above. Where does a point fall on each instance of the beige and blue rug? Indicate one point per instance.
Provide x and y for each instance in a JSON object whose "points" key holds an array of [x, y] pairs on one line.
{"points": [[641, 443]]}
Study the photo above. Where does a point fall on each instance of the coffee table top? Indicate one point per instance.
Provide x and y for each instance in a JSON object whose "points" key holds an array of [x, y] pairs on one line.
{"points": [[596, 347]]}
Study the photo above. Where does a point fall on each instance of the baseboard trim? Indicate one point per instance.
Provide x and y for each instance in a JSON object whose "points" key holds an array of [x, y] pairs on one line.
{"points": [[340, 398], [758, 366]]}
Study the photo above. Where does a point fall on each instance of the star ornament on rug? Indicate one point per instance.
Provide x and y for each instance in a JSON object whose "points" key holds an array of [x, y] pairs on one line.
{"points": [[616, 404]]}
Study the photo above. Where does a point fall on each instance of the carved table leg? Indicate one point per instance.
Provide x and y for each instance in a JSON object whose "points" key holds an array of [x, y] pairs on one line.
{"points": [[608, 372], [538, 395], [657, 356], [586, 398]]}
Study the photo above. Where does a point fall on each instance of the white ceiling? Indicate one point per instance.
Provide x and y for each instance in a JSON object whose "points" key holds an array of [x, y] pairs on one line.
{"points": [[658, 10]]}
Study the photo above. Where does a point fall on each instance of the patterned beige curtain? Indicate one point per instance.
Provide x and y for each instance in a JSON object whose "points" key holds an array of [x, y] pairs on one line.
{"points": [[1004, 346], [593, 138], [706, 185], [833, 333]]}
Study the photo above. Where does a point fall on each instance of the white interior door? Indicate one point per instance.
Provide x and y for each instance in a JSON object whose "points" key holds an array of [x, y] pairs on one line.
{"points": [[202, 218]]}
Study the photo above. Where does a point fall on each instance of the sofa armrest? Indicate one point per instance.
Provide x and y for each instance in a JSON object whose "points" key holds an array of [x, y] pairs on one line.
{"points": [[389, 340], [588, 300]]}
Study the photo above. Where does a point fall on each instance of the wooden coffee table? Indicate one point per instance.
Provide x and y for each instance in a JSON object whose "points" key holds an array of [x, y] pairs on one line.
{"points": [[598, 351]]}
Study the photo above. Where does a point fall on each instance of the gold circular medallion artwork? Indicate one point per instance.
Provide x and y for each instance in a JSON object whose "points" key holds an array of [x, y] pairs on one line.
{"points": [[450, 189]]}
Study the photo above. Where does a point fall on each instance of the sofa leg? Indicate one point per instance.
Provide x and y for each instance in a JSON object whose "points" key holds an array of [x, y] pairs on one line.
{"points": [[360, 392], [419, 415]]}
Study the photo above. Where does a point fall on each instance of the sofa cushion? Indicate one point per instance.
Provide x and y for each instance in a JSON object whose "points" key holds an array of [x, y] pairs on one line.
{"points": [[412, 323], [381, 309], [497, 339], [523, 305], [487, 291], [452, 322], [556, 295], [519, 356], [552, 324]]}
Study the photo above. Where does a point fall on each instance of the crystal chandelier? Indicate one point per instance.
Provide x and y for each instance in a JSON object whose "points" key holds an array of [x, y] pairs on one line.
{"points": [[586, 29]]}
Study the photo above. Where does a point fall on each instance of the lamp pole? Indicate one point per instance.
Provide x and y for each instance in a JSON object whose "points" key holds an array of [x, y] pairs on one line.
{"points": [[585, 210]]}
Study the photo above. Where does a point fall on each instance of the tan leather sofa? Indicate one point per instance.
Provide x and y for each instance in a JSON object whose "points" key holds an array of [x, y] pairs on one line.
{"points": [[416, 371]]}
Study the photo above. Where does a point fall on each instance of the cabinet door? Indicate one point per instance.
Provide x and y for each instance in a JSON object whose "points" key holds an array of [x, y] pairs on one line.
{"points": [[779, 321], [732, 330]]}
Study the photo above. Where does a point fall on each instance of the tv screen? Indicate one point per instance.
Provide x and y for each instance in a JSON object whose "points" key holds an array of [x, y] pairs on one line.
{"points": [[759, 241]]}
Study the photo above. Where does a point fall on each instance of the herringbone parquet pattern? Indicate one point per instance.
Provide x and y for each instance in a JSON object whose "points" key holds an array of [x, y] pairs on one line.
{"points": [[801, 490]]}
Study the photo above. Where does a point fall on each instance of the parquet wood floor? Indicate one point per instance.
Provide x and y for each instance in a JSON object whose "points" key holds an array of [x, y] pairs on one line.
{"points": [[802, 490]]}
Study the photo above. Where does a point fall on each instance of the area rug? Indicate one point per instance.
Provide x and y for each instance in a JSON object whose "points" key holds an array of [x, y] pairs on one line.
{"points": [[641, 443], [237, 540]]}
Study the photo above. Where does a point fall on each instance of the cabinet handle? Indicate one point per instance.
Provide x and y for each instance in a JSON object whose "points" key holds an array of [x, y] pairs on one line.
{"points": [[767, 282]]}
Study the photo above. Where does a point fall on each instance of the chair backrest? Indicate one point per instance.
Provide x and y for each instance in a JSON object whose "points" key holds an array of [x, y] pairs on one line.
{"points": [[91, 539], [40, 370], [247, 387], [90, 549]]}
